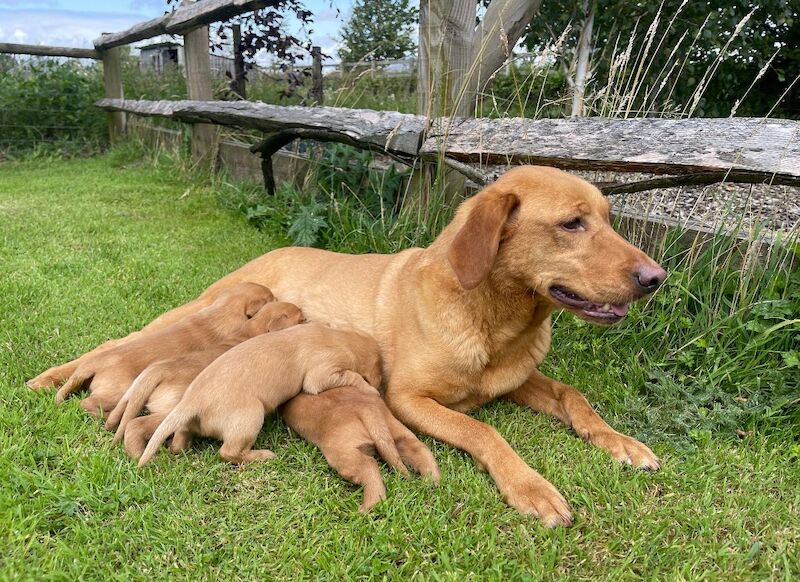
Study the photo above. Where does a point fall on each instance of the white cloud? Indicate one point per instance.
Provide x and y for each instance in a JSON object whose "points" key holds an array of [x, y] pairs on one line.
{"points": [[59, 27]]}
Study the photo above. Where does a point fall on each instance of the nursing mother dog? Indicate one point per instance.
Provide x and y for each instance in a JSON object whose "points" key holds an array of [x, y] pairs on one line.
{"points": [[467, 320]]}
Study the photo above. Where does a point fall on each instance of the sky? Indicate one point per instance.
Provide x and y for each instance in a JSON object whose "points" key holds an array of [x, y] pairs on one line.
{"points": [[75, 23]]}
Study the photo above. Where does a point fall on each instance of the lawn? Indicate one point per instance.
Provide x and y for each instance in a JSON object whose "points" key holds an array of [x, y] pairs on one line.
{"points": [[92, 249]]}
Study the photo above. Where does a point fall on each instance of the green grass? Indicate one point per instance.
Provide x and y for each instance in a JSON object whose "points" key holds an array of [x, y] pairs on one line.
{"points": [[92, 249]]}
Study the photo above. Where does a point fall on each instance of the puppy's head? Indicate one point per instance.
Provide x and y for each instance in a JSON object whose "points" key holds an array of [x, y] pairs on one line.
{"points": [[368, 356], [549, 231], [244, 299], [275, 316]]}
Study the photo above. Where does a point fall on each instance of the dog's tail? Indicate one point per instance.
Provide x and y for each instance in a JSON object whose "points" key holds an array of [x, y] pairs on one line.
{"points": [[383, 441], [134, 399], [175, 420], [75, 382]]}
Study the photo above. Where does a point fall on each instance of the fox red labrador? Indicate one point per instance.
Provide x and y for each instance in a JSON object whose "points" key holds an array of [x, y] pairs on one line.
{"points": [[467, 320]]}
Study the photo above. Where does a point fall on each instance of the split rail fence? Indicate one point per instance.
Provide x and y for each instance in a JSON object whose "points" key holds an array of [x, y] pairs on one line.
{"points": [[684, 151]]}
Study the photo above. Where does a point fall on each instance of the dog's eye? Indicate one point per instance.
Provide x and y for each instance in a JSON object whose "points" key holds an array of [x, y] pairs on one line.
{"points": [[574, 224]]}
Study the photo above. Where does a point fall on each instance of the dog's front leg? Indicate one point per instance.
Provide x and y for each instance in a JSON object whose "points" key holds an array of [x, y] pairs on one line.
{"points": [[521, 487], [546, 395]]}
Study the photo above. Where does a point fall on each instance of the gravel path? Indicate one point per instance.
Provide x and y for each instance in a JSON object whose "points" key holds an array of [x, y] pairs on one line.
{"points": [[741, 207]]}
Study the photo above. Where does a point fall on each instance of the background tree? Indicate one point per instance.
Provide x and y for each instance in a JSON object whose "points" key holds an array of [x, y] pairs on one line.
{"points": [[379, 30], [705, 53], [266, 29]]}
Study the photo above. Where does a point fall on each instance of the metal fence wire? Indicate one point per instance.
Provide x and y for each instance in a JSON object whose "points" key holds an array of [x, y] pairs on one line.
{"points": [[48, 104]]}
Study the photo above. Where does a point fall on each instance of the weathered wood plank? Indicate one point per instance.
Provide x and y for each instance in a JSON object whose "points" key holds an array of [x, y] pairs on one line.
{"points": [[191, 16], [399, 132], [198, 85], [48, 51], [140, 31], [112, 82], [658, 146], [741, 146], [182, 20]]}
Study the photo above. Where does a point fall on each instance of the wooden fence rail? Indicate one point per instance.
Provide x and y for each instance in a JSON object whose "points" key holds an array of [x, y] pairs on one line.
{"points": [[693, 151], [184, 19], [48, 51], [698, 150]]}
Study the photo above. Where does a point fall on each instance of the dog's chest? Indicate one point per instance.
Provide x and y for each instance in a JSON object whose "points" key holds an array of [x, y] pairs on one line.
{"points": [[495, 364]]}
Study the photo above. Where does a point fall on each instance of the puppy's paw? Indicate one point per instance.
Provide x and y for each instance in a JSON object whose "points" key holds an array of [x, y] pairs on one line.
{"points": [[627, 450], [535, 495], [373, 494], [47, 379]]}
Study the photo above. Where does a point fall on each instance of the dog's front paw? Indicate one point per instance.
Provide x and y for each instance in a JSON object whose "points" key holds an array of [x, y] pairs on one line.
{"points": [[627, 450], [535, 495]]}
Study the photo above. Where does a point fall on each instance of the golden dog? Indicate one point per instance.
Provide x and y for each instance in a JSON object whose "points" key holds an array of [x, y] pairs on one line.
{"points": [[229, 399], [162, 384], [467, 320], [348, 424], [110, 372]]}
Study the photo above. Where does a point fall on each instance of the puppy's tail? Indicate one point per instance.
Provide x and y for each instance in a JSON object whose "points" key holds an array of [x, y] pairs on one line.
{"points": [[175, 420], [134, 399], [383, 441], [74, 383]]}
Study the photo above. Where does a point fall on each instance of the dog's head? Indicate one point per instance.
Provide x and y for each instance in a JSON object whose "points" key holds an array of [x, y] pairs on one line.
{"points": [[275, 316], [244, 300], [549, 231], [367, 356]]}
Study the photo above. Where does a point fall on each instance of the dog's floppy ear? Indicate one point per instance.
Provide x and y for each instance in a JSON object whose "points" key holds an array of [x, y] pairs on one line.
{"points": [[253, 306], [278, 323], [474, 248]]}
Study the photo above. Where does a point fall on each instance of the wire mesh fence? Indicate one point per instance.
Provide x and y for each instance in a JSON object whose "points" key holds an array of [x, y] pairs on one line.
{"points": [[46, 104]]}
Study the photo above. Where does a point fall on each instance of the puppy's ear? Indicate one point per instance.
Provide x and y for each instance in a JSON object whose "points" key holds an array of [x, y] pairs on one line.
{"points": [[253, 306], [279, 323], [474, 248]]}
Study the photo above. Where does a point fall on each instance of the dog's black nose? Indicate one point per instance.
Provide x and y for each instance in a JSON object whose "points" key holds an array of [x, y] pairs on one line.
{"points": [[649, 277]]}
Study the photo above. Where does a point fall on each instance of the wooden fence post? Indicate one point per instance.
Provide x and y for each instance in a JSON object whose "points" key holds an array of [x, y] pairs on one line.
{"points": [[112, 80], [238, 83], [198, 84], [317, 95]]}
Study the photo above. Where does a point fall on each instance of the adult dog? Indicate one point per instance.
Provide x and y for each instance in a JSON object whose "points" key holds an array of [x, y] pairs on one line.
{"points": [[467, 319]]}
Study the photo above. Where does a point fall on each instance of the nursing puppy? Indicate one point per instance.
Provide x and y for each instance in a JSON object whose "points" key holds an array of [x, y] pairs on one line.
{"points": [[162, 384], [230, 398], [111, 372], [349, 424]]}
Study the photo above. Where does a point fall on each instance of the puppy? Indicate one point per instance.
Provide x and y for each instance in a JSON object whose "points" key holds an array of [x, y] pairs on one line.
{"points": [[348, 425], [231, 397], [111, 372], [162, 384]]}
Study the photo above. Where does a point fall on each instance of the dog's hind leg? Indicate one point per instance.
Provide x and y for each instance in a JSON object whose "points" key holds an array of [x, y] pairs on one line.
{"points": [[75, 383], [181, 441], [361, 469], [412, 450], [138, 432], [239, 435]]}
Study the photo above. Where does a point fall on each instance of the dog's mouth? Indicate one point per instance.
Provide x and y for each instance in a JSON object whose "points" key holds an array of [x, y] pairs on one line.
{"points": [[607, 313]]}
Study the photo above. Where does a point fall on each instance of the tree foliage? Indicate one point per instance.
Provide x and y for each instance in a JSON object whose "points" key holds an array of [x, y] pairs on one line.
{"points": [[707, 53], [267, 29], [378, 30]]}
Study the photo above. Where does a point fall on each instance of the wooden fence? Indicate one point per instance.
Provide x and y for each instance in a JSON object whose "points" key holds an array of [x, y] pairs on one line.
{"points": [[691, 151]]}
